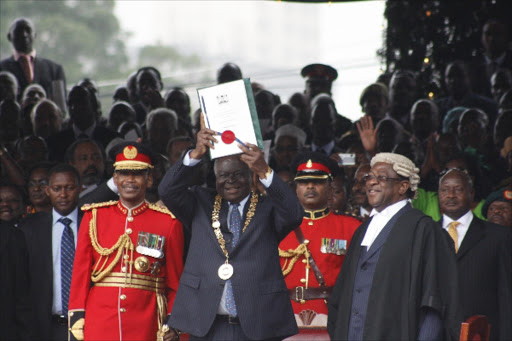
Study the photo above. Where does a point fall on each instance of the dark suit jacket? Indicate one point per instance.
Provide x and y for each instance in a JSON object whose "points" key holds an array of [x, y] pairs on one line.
{"points": [[58, 143], [45, 72], [261, 297], [485, 271], [38, 233], [101, 193], [15, 316]]}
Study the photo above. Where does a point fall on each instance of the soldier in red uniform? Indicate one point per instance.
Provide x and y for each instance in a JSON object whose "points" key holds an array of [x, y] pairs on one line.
{"points": [[311, 257], [128, 260]]}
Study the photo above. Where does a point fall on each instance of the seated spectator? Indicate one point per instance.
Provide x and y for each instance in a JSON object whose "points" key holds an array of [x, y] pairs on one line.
{"points": [[424, 123], [33, 94], [87, 157], [148, 84], [323, 126], [301, 104], [31, 150], [360, 208], [505, 101], [8, 86], [130, 131], [9, 124], [46, 118], [282, 114], [459, 93], [501, 82], [498, 207], [341, 123], [177, 100], [121, 94], [389, 134], [289, 141], [83, 125], [160, 127], [39, 201], [12, 203], [319, 79], [374, 101], [451, 120], [337, 201], [176, 147], [495, 54], [120, 112], [228, 72], [403, 92], [265, 102], [502, 129], [91, 85]]}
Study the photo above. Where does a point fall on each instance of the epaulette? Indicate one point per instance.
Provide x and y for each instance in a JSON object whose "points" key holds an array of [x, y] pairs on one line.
{"points": [[88, 207], [161, 209]]}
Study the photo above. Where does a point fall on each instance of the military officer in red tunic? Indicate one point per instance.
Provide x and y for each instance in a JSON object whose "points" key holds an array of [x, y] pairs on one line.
{"points": [[128, 261], [311, 257]]}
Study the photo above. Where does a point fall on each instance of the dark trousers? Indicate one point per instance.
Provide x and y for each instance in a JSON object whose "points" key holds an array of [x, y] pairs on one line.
{"points": [[59, 330], [222, 330]]}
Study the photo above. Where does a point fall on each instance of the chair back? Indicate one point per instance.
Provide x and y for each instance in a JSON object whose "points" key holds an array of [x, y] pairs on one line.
{"points": [[475, 328]]}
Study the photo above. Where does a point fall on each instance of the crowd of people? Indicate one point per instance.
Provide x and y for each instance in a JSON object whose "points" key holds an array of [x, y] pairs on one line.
{"points": [[396, 226]]}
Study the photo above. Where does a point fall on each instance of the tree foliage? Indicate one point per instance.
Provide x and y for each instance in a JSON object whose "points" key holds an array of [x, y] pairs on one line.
{"points": [[83, 36]]}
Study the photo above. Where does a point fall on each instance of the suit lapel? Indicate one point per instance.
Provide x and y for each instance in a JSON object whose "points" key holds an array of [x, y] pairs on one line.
{"points": [[48, 251], [475, 233]]}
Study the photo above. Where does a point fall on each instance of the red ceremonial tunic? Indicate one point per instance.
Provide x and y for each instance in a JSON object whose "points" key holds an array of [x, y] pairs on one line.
{"points": [[114, 311], [329, 236]]}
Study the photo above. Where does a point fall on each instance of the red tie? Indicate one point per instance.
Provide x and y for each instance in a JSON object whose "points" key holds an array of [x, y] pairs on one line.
{"points": [[26, 66]]}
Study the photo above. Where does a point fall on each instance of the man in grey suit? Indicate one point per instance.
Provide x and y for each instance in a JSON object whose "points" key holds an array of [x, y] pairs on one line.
{"points": [[232, 287], [483, 252]]}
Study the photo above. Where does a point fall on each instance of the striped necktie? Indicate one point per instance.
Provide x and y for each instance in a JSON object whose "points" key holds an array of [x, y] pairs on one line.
{"points": [[235, 225], [67, 254], [452, 231]]}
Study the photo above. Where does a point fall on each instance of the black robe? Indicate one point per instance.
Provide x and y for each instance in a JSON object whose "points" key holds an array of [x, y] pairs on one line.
{"points": [[416, 270]]}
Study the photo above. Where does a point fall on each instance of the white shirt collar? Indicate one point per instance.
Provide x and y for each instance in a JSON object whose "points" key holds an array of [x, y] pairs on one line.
{"points": [[464, 220], [379, 220], [73, 216]]}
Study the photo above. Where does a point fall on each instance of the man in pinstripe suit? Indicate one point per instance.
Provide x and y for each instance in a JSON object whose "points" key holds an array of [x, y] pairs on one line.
{"points": [[226, 264], [483, 252]]}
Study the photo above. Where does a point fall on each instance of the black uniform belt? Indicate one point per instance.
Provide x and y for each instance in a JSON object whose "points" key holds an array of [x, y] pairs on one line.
{"points": [[228, 318], [60, 319], [300, 294]]}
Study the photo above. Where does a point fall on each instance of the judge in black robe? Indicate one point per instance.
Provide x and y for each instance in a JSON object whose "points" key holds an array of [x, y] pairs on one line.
{"points": [[414, 276]]}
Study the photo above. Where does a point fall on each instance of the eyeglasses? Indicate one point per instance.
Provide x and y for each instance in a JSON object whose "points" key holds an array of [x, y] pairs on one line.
{"points": [[379, 178]]}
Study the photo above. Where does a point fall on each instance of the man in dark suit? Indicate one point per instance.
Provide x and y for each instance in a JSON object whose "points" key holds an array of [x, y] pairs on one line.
{"points": [[51, 241], [25, 65], [84, 125], [484, 255], [232, 287]]}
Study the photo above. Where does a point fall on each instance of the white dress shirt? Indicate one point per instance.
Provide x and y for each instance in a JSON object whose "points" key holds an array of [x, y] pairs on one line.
{"points": [[57, 230], [462, 228], [379, 220]]}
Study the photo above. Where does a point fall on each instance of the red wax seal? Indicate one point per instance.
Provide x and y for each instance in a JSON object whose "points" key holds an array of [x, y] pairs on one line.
{"points": [[228, 137]]}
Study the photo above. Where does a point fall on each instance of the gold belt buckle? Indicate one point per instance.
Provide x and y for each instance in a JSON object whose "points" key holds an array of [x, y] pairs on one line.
{"points": [[300, 290]]}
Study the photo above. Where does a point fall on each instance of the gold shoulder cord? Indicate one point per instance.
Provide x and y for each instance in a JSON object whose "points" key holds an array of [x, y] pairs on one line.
{"points": [[302, 249], [123, 243]]}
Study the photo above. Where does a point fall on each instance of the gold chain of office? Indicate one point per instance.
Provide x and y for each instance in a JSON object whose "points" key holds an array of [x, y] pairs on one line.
{"points": [[123, 243], [215, 219], [302, 249]]}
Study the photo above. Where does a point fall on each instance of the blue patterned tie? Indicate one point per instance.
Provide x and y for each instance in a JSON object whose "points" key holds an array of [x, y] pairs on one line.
{"points": [[235, 225], [67, 254]]}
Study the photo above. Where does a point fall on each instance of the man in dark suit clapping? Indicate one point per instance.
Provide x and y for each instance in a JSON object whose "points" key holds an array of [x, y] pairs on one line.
{"points": [[484, 254], [51, 241], [232, 287]]}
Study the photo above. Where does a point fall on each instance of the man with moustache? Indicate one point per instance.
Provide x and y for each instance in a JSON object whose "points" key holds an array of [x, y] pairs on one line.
{"points": [[128, 260], [232, 287], [87, 157], [398, 279], [311, 257], [51, 241], [483, 252]]}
